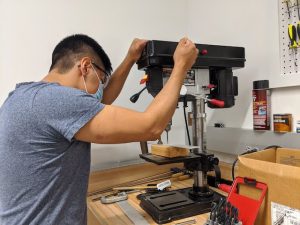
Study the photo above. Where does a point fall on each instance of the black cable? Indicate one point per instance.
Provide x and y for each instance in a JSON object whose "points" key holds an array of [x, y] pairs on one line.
{"points": [[185, 119], [232, 168], [235, 161], [186, 126], [167, 137], [273, 146]]}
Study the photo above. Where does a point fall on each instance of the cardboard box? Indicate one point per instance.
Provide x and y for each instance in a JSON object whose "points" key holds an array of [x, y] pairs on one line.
{"points": [[280, 170]]}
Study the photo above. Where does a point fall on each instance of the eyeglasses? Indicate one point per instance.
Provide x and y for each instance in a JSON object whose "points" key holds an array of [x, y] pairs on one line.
{"points": [[107, 75]]}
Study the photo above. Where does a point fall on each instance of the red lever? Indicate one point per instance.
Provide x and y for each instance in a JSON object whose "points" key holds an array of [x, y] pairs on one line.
{"points": [[226, 188], [216, 102], [210, 86], [144, 79]]}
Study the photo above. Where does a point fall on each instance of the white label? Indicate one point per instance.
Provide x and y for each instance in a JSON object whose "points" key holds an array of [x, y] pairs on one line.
{"points": [[284, 215], [161, 186]]}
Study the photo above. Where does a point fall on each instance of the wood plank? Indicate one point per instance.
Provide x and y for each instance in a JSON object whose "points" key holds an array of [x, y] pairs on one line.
{"points": [[91, 218], [169, 151]]}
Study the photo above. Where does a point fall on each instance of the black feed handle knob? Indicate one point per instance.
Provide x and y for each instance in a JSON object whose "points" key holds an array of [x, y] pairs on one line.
{"points": [[136, 96]]}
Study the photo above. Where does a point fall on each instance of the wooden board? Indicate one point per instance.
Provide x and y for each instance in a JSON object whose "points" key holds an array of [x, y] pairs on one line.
{"points": [[169, 151]]}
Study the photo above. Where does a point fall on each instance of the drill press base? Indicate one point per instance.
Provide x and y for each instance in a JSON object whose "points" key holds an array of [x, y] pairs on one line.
{"points": [[173, 205]]}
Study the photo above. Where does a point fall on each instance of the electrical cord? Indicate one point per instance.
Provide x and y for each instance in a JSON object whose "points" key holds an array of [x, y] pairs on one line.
{"points": [[235, 161], [248, 152], [185, 119], [273, 146]]}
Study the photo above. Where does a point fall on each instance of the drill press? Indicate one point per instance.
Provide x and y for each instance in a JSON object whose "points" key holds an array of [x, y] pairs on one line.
{"points": [[210, 81]]}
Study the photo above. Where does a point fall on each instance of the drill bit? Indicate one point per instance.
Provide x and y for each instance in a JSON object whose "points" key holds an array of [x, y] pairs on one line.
{"points": [[167, 129], [159, 142]]}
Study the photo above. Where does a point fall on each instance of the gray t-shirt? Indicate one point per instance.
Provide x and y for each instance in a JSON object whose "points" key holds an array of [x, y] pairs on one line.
{"points": [[43, 169]]}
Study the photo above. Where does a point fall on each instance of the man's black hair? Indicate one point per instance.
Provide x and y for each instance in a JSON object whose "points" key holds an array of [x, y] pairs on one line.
{"points": [[72, 48]]}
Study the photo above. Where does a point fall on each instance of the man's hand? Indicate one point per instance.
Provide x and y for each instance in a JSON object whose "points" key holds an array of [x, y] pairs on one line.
{"points": [[136, 48], [185, 54], [119, 77]]}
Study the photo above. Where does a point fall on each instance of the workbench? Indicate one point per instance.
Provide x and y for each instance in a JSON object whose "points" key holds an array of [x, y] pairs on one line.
{"points": [[112, 214]]}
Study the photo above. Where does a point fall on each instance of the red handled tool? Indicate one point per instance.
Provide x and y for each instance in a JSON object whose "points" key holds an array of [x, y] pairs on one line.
{"points": [[144, 79], [226, 188], [216, 102]]}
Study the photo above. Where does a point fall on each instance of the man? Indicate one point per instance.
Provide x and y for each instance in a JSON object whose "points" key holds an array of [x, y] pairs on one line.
{"points": [[46, 128]]}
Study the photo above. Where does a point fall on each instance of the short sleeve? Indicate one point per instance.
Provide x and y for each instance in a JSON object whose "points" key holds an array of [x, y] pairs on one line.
{"points": [[64, 110]]}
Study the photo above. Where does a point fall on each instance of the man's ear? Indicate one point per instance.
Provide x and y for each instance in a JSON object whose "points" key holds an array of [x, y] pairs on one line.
{"points": [[85, 62]]}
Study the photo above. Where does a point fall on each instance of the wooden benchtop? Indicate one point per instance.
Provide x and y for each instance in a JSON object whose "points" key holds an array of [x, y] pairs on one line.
{"points": [[111, 214]]}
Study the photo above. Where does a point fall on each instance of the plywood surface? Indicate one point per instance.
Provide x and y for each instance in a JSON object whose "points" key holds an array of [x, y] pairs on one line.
{"points": [[112, 214]]}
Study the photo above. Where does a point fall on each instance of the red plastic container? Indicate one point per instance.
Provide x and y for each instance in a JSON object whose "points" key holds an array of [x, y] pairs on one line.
{"points": [[248, 207]]}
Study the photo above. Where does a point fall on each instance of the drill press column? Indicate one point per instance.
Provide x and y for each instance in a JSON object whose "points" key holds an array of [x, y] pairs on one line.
{"points": [[200, 187], [199, 139], [199, 120]]}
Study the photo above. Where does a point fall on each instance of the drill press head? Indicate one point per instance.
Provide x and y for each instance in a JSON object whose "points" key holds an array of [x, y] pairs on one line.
{"points": [[215, 61]]}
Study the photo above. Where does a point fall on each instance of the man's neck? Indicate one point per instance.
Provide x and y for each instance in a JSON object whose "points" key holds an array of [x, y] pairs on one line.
{"points": [[62, 79]]}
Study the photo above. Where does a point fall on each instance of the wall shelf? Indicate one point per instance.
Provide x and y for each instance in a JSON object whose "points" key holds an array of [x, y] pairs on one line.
{"points": [[235, 140]]}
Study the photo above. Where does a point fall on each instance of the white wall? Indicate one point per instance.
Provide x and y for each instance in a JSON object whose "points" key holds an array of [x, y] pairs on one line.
{"points": [[253, 25], [29, 30]]}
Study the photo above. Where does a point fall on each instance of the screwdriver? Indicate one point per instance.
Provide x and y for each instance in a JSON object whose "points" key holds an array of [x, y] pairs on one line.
{"points": [[292, 35], [298, 9], [298, 23], [288, 8], [298, 32]]}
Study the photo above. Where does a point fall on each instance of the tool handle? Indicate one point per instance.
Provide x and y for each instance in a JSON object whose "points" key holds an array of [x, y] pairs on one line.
{"points": [[298, 32], [142, 187], [217, 102], [136, 96], [116, 198], [183, 177], [177, 174], [226, 188], [144, 79], [292, 35], [187, 222]]}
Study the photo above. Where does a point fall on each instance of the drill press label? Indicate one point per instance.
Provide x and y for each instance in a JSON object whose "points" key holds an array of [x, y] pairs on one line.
{"points": [[189, 80]]}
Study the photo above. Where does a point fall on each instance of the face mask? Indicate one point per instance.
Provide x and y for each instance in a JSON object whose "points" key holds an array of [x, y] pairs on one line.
{"points": [[99, 92]]}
